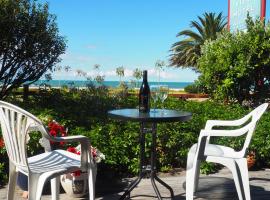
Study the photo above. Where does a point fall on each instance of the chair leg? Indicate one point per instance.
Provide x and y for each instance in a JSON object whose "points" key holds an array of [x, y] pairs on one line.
{"points": [[12, 181], [35, 186], [55, 187], [243, 168], [192, 174], [232, 165], [91, 181], [196, 175]]}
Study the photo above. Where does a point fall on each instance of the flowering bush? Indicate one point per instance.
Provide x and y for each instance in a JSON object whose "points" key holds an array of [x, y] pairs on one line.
{"points": [[3, 163], [2, 147], [57, 130], [97, 155], [2, 144], [251, 159]]}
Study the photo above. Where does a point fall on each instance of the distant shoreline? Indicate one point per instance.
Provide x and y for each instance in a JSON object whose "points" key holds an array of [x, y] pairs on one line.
{"points": [[178, 86], [84, 87]]}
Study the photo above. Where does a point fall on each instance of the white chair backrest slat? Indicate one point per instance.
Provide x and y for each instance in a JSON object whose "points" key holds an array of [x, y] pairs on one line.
{"points": [[255, 116], [15, 124], [6, 132], [251, 119]]}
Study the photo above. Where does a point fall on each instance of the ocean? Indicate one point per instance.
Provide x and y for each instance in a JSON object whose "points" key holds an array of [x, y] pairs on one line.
{"points": [[76, 83]]}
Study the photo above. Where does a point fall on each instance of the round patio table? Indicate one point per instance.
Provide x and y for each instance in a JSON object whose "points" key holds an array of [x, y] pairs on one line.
{"points": [[144, 119]]}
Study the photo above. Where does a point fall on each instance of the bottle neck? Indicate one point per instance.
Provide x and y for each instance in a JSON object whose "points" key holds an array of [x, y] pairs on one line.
{"points": [[145, 76]]}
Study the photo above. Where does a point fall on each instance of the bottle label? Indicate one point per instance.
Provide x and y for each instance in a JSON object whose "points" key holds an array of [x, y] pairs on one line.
{"points": [[144, 103]]}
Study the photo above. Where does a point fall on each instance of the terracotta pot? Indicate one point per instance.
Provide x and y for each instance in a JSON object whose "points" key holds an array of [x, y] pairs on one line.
{"points": [[251, 160]]}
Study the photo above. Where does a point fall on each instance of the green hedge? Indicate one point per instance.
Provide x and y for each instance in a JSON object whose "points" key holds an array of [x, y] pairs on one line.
{"points": [[85, 114]]}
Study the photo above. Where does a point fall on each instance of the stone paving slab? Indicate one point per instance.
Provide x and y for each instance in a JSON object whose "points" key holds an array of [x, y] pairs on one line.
{"points": [[215, 187]]}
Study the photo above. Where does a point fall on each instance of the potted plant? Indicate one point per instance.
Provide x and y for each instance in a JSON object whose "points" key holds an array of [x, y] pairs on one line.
{"points": [[75, 184], [251, 159]]}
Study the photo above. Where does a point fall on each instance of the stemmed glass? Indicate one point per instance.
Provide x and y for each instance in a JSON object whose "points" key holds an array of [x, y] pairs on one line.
{"points": [[154, 95], [163, 94]]}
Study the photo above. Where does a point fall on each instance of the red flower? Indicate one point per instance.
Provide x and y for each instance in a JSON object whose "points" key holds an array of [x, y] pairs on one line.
{"points": [[260, 83], [72, 150], [77, 173], [53, 133], [2, 144], [56, 130], [94, 152]]}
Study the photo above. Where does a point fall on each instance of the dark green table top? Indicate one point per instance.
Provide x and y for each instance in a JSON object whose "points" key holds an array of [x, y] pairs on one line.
{"points": [[158, 116]]}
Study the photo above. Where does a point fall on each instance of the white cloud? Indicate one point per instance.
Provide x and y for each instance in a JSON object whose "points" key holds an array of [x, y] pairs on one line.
{"points": [[91, 46], [76, 58]]}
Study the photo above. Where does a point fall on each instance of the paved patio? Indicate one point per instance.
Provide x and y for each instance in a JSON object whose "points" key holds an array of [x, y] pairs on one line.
{"points": [[214, 186]]}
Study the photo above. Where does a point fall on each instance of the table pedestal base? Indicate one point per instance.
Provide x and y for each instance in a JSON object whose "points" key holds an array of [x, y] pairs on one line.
{"points": [[147, 169]]}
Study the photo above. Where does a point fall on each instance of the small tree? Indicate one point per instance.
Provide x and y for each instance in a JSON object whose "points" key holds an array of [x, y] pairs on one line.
{"points": [[137, 74], [120, 71], [159, 65], [30, 44], [236, 66], [98, 78]]}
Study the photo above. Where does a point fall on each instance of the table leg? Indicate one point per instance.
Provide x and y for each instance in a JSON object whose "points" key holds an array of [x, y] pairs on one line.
{"points": [[153, 165], [143, 168], [142, 164]]}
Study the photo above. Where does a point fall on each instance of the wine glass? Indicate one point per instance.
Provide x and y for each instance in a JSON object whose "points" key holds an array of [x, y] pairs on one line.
{"points": [[154, 89], [163, 94]]}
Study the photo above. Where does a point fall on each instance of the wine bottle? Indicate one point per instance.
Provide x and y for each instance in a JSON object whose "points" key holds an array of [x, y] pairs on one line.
{"points": [[144, 95]]}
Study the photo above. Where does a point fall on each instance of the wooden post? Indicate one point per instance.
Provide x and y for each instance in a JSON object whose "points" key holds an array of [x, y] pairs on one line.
{"points": [[25, 92]]}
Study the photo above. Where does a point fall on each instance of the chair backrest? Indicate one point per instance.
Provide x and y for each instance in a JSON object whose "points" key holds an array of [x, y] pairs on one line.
{"points": [[254, 117], [15, 125], [248, 124]]}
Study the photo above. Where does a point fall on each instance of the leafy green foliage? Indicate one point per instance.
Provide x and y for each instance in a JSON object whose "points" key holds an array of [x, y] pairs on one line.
{"points": [[196, 88], [3, 175], [3, 163], [235, 67], [30, 44], [83, 113]]}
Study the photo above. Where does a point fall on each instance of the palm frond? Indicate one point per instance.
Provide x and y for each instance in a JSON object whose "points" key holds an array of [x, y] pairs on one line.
{"points": [[187, 51]]}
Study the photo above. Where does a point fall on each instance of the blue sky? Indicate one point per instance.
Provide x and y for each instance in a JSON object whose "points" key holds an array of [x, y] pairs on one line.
{"points": [[133, 34]]}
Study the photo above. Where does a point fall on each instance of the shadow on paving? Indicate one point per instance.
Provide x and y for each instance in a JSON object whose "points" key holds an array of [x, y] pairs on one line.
{"points": [[209, 188], [224, 188], [218, 188], [108, 189]]}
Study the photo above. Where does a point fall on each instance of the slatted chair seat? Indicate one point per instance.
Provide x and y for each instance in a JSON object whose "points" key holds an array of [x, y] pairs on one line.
{"points": [[57, 160]]}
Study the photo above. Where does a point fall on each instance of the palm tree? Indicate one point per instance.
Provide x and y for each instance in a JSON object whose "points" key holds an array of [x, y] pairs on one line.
{"points": [[120, 71], [187, 51]]}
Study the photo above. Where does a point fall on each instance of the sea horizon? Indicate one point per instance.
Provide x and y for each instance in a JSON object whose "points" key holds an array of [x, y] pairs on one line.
{"points": [[113, 84]]}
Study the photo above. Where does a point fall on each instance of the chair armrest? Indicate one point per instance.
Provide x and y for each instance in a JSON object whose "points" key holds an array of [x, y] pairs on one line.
{"points": [[86, 156], [73, 138], [229, 133], [211, 123]]}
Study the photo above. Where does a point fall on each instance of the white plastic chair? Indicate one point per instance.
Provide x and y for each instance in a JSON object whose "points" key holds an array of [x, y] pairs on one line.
{"points": [[235, 160], [16, 124]]}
